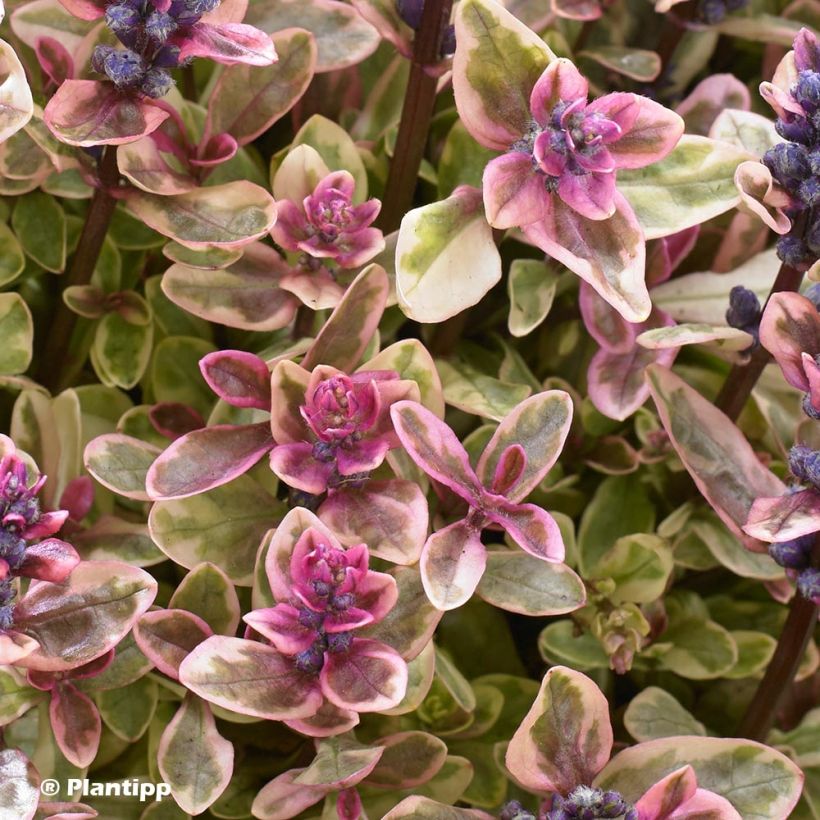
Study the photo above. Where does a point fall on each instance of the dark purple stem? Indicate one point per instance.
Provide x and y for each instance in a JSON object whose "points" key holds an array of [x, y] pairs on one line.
{"points": [[419, 101], [58, 364]]}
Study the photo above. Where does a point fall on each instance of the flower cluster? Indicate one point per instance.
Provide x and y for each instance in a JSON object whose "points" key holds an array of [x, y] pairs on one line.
{"points": [[22, 521], [329, 226], [796, 555], [333, 595], [349, 427], [795, 164], [586, 803], [144, 28]]}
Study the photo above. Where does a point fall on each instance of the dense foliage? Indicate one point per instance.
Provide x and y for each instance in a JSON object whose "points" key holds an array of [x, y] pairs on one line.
{"points": [[411, 409]]}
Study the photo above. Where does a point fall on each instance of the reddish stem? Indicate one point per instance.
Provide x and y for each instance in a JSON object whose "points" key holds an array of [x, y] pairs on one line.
{"points": [[58, 365], [419, 101]]}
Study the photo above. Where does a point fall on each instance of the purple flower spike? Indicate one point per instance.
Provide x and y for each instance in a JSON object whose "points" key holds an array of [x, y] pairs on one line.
{"points": [[329, 226], [22, 522]]}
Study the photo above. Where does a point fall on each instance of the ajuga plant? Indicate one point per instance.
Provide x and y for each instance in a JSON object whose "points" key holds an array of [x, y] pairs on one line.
{"points": [[410, 409]]}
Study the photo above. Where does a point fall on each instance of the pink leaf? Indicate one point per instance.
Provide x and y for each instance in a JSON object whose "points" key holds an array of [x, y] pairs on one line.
{"points": [[207, 458], [514, 194], [88, 112], [533, 529], [226, 43], [721, 462], [369, 677], [784, 517], [283, 799], [436, 449], [667, 795], [241, 379], [608, 254], [76, 723], [452, 563], [790, 327], [329, 721], [295, 465], [250, 678], [84, 9], [566, 738], [50, 560], [167, 636]]}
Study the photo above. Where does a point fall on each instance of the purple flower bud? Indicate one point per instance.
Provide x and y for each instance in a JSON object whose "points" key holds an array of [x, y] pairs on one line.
{"points": [[123, 67], [342, 602], [808, 584], [808, 408], [156, 83], [744, 308], [805, 465], [339, 641], [794, 554], [6, 617], [12, 548], [410, 11], [797, 129], [515, 811], [807, 90], [310, 619], [809, 191], [121, 17], [321, 588], [166, 57], [311, 660], [448, 41], [711, 11], [793, 251], [788, 162], [159, 26]]}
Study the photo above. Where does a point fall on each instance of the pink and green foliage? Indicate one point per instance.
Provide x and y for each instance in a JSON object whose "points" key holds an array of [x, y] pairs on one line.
{"points": [[320, 674], [409, 409]]}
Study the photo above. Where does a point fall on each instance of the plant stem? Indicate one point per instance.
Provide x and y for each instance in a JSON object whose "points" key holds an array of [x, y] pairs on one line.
{"points": [[742, 378], [58, 366], [791, 645], [583, 37], [419, 101], [671, 36]]}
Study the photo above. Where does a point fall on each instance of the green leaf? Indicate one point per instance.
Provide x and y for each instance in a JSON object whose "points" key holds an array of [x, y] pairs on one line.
{"points": [[446, 258], [336, 148], [17, 333], [121, 351], [760, 782], [40, 225], [559, 643], [194, 759], [531, 288], [640, 566], [120, 463], [462, 161], [340, 763], [223, 526], [494, 70], [128, 710], [207, 592], [620, 506], [175, 375], [694, 183], [12, 259], [635, 63], [16, 696], [518, 582], [474, 392], [654, 713], [754, 651], [700, 649]]}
